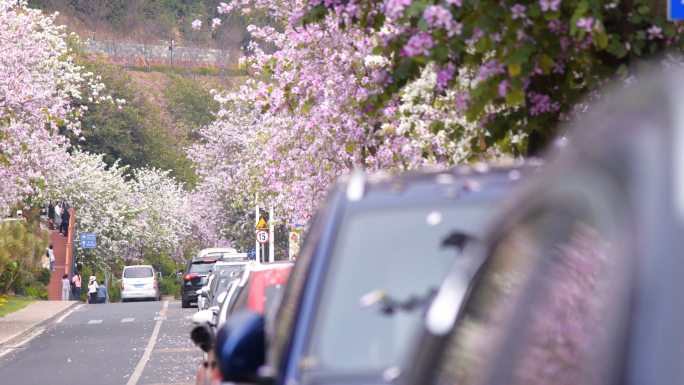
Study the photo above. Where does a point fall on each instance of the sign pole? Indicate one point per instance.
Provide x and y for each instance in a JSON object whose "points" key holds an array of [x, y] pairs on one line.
{"points": [[257, 248], [271, 252]]}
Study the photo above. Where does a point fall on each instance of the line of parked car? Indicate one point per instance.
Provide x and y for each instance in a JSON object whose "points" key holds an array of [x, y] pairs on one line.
{"points": [[567, 273]]}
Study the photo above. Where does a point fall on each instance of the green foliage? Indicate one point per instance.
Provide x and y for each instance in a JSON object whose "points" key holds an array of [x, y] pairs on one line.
{"points": [[44, 275], [139, 133], [17, 285], [169, 286], [20, 249], [115, 293], [37, 292], [190, 103]]}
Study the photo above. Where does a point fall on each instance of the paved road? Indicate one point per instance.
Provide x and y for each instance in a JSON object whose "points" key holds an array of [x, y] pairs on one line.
{"points": [[108, 345]]}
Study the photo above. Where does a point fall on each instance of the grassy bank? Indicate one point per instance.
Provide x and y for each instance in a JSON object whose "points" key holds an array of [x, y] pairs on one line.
{"points": [[13, 304]]}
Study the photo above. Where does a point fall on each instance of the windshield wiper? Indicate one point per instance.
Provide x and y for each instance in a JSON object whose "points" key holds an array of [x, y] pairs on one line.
{"points": [[389, 305]]}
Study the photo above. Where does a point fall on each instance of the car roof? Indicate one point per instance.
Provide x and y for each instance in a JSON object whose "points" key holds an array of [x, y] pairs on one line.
{"points": [[461, 183], [202, 253]]}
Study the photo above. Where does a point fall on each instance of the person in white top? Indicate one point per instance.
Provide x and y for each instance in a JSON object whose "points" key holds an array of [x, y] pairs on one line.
{"points": [[51, 255], [58, 216], [92, 290]]}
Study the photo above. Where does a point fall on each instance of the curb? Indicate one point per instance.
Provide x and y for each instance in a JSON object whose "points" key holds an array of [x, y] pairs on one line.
{"points": [[24, 333]]}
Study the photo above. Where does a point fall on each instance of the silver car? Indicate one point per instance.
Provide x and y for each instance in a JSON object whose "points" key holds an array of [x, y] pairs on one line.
{"points": [[139, 282]]}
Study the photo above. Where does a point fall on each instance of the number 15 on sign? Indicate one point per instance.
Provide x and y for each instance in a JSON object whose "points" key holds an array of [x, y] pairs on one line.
{"points": [[262, 236]]}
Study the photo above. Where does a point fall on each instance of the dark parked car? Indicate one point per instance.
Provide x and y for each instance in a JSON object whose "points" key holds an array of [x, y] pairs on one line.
{"points": [[198, 268], [372, 261], [582, 282]]}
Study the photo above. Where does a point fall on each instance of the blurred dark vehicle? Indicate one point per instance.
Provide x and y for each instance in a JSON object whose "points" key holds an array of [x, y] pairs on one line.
{"points": [[582, 280], [372, 261]]}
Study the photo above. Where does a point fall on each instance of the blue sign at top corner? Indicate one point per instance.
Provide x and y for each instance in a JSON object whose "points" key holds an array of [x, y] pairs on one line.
{"points": [[675, 10], [88, 240]]}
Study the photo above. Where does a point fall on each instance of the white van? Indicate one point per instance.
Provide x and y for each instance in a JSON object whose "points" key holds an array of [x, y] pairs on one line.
{"points": [[139, 282]]}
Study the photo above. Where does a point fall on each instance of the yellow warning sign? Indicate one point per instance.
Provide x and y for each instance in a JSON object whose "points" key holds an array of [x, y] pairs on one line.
{"points": [[262, 224]]}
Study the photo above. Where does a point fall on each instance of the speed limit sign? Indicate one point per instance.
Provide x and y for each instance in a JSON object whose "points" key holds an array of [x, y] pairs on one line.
{"points": [[262, 236]]}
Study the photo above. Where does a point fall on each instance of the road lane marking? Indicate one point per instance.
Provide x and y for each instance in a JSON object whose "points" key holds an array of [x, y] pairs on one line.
{"points": [[145, 357], [68, 313], [177, 350], [13, 348], [95, 321], [166, 304], [160, 318], [128, 320]]}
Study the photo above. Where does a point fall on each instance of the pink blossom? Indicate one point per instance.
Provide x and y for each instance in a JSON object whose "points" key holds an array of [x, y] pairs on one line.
{"points": [[585, 23], [215, 23], [445, 75], [419, 45], [558, 27], [518, 12], [395, 8], [490, 68], [196, 24], [224, 8], [437, 17], [455, 28], [654, 32], [549, 5], [457, 3], [503, 88]]}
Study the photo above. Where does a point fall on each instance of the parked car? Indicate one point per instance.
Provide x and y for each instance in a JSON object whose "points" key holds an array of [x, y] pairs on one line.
{"points": [[232, 262], [372, 261], [198, 268], [139, 282], [582, 280], [259, 288], [216, 284]]}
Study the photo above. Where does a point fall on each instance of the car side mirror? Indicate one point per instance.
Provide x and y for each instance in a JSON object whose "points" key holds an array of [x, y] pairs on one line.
{"points": [[204, 294], [203, 316], [240, 349], [214, 309], [222, 297], [203, 336]]}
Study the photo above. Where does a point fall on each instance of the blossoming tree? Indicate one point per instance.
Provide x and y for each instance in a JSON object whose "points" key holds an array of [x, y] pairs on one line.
{"points": [[38, 81], [530, 62]]}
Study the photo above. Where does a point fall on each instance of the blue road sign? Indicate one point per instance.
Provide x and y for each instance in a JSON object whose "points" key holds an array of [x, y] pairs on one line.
{"points": [[675, 9], [251, 253], [88, 241]]}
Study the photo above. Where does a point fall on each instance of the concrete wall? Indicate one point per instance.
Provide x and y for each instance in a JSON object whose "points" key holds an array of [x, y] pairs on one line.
{"points": [[143, 55]]}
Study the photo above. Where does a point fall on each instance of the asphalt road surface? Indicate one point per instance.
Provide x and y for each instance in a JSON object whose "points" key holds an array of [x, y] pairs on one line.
{"points": [[137, 343]]}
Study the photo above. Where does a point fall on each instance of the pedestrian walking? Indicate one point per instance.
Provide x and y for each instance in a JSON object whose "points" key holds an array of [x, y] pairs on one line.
{"points": [[51, 215], [77, 286], [92, 290], [66, 285], [51, 255], [101, 293], [58, 217], [45, 260], [65, 220]]}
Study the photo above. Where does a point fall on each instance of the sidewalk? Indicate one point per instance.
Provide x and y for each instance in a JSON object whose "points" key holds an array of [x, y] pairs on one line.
{"points": [[16, 325]]}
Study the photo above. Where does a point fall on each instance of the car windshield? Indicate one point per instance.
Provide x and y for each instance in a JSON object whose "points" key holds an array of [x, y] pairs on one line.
{"points": [[200, 267], [138, 272], [228, 267], [398, 251]]}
